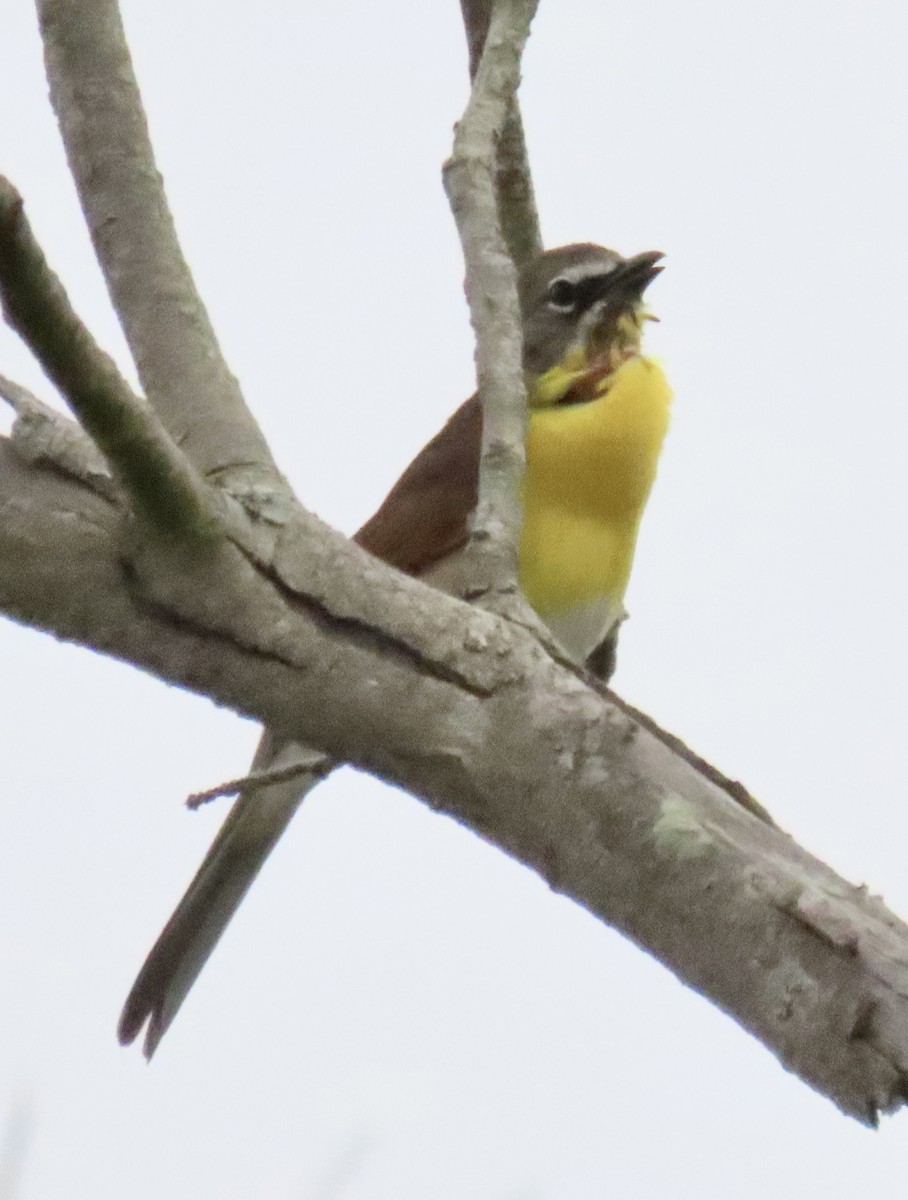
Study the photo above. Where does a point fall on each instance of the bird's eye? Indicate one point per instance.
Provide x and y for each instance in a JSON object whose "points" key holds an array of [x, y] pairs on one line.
{"points": [[561, 295]]}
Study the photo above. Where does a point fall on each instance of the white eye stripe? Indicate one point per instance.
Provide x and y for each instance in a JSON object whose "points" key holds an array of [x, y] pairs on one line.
{"points": [[576, 287], [588, 270], [566, 291]]}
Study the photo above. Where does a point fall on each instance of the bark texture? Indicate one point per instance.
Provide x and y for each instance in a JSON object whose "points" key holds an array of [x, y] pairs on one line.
{"points": [[307, 635]]}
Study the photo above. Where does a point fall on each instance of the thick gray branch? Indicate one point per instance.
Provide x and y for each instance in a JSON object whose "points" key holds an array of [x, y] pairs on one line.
{"points": [[158, 479], [491, 285], [338, 651], [180, 364]]}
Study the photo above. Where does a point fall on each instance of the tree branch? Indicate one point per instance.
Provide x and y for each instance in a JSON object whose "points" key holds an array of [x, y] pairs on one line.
{"points": [[44, 436], [158, 479], [177, 355], [517, 210], [491, 286], [337, 650], [300, 629], [256, 780]]}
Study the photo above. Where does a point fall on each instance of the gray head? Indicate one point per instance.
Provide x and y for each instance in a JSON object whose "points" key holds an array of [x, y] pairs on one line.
{"points": [[575, 295]]}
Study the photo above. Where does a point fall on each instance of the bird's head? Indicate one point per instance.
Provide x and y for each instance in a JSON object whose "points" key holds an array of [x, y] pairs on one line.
{"points": [[583, 316]]}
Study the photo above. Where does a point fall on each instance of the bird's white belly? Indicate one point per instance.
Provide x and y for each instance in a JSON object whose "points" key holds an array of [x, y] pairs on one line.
{"points": [[582, 628]]}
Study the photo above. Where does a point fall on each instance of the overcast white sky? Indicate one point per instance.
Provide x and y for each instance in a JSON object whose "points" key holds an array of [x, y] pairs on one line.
{"points": [[399, 1011]]}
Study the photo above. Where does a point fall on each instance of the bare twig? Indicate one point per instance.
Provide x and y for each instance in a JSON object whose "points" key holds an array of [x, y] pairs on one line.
{"points": [[492, 289], [177, 355], [259, 779], [513, 183], [156, 475]]}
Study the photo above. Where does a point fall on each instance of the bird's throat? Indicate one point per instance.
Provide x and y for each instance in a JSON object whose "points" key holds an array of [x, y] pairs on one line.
{"points": [[588, 369]]}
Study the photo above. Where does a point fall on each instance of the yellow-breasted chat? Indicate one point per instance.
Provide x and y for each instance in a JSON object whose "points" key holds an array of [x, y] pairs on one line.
{"points": [[598, 414]]}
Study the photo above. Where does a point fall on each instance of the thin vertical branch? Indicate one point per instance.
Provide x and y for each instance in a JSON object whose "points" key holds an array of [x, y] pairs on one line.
{"points": [[470, 180], [513, 183]]}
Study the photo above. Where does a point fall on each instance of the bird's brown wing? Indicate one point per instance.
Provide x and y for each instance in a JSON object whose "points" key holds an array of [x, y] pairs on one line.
{"points": [[426, 514]]}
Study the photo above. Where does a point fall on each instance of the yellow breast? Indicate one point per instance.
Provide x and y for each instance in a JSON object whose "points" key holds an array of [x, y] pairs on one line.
{"points": [[590, 468]]}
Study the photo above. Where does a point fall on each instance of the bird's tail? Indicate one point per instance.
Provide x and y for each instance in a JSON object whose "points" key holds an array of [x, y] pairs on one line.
{"points": [[248, 835]]}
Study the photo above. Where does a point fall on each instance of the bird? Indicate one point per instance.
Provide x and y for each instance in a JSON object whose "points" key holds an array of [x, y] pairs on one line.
{"points": [[598, 414]]}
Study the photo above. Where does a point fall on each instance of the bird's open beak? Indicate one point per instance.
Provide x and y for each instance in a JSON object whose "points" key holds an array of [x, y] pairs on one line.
{"points": [[616, 315], [631, 279]]}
